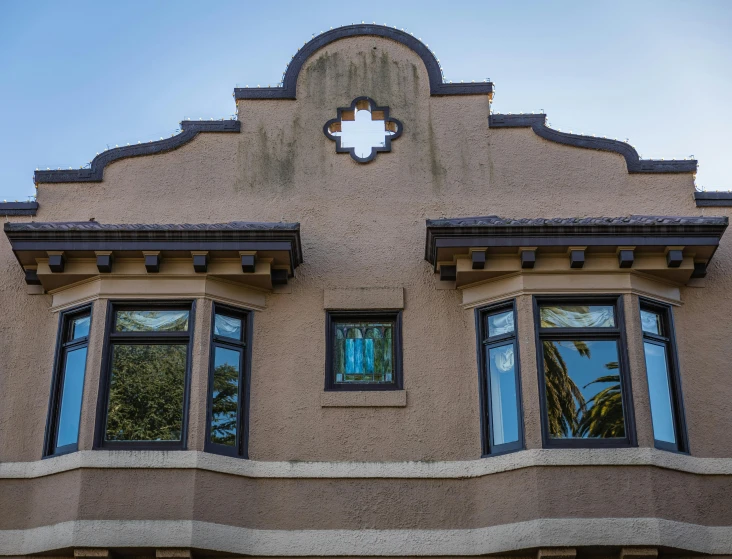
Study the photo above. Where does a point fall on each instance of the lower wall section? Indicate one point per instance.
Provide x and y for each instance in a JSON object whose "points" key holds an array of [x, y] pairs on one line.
{"points": [[564, 532]]}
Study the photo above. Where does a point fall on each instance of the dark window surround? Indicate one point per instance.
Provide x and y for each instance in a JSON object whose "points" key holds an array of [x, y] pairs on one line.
{"points": [[143, 338], [483, 343], [62, 348], [677, 400], [331, 317], [244, 347], [617, 333]]}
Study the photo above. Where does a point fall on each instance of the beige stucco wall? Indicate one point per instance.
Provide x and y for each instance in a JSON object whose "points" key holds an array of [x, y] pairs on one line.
{"points": [[364, 226]]}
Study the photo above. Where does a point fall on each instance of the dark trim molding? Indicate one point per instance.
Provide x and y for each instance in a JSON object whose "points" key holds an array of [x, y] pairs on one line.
{"points": [[331, 317], [289, 81], [492, 231], [92, 235], [189, 130], [18, 208], [374, 149], [600, 334], [537, 122], [708, 199]]}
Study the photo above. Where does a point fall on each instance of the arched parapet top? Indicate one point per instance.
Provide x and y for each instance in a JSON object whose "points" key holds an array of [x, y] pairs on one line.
{"points": [[537, 122], [287, 88], [95, 173]]}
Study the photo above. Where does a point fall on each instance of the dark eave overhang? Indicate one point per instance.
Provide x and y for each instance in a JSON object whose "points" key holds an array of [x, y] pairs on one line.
{"points": [[697, 235], [709, 199], [537, 123], [84, 237], [18, 208]]}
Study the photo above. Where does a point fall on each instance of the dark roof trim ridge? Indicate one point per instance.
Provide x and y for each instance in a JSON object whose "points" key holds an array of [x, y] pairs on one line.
{"points": [[289, 82], [709, 199], [86, 235], [634, 229], [18, 208], [189, 130], [537, 122]]}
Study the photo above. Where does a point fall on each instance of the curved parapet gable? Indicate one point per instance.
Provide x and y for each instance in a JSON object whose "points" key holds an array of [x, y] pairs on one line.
{"points": [[189, 130], [537, 122], [287, 89]]}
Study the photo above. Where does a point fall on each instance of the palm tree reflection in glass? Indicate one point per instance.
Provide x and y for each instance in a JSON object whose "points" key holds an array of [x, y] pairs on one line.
{"points": [[582, 400]]}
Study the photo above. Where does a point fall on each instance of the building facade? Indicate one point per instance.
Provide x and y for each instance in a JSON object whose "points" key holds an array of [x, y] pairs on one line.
{"points": [[307, 332]]}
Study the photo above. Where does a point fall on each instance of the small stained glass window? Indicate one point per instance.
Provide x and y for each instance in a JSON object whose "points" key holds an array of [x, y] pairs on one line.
{"points": [[363, 352]]}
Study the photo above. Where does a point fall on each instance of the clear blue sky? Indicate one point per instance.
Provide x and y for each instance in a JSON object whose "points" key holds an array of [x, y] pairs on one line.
{"points": [[78, 76]]}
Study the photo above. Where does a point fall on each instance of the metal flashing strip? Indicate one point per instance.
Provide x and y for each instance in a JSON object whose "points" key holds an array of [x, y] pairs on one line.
{"points": [[459, 469], [713, 199], [548, 532], [95, 173], [18, 208], [537, 122], [434, 72]]}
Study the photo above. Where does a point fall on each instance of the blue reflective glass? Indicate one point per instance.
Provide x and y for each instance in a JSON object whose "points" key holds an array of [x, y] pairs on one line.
{"points": [[71, 394], [225, 397], [504, 403], [79, 328], [362, 352], [659, 390]]}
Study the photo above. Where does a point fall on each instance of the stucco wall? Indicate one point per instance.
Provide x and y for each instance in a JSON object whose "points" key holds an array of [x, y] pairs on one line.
{"points": [[364, 226]]}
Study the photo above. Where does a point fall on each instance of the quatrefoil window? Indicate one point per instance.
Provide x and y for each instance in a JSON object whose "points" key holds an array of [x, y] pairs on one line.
{"points": [[363, 129]]}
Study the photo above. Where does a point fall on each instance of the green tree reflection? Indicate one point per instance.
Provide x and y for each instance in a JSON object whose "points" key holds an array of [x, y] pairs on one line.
{"points": [[224, 404], [146, 393]]}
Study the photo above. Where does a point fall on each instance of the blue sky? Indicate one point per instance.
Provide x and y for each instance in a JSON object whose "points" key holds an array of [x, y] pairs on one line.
{"points": [[76, 77]]}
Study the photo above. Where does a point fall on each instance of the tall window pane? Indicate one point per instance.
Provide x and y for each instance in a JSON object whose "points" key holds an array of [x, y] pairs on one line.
{"points": [[226, 428], [146, 390], [660, 392], [225, 396], [504, 412], [68, 382], [583, 375], [146, 377], [500, 380], [71, 394], [664, 383]]}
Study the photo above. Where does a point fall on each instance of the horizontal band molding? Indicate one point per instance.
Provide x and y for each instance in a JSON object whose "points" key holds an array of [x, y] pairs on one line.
{"points": [[289, 82], [534, 458], [550, 532], [537, 122], [711, 199], [18, 208], [95, 173]]}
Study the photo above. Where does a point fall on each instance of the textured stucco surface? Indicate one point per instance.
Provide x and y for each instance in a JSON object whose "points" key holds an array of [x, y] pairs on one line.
{"points": [[364, 226]]}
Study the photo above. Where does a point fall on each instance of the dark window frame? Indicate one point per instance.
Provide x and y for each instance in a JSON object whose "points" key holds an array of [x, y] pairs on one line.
{"points": [[331, 317], [63, 347], [483, 344], [668, 341], [592, 334], [244, 347], [143, 338]]}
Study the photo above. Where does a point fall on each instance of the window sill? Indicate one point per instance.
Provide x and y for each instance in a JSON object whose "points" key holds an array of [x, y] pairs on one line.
{"points": [[365, 399]]}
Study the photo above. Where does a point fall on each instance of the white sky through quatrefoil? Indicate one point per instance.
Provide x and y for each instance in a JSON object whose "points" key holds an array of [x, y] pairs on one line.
{"points": [[362, 134]]}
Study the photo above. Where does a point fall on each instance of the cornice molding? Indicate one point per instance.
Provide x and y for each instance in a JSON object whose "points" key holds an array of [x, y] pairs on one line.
{"points": [[18, 208], [537, 122], [289, 82], [189, 130]]}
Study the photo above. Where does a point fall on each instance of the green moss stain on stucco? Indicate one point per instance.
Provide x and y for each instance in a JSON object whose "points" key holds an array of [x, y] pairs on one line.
{"points": [[437, 169]]}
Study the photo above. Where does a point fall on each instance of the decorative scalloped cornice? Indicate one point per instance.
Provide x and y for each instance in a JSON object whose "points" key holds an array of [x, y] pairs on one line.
{"points": [[537, 122], [189, 130], [18, 208], [289, 82]]}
